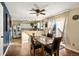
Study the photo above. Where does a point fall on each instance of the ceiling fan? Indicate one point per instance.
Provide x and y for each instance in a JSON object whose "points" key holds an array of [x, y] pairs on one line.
{"points": [[37, 10]]}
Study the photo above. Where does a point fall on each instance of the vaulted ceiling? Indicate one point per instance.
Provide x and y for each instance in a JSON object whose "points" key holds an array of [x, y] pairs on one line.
{"points": [[21, 10]]}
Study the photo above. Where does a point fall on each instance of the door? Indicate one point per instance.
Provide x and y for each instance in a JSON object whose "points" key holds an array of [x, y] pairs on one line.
{"points": [[1, 29]]}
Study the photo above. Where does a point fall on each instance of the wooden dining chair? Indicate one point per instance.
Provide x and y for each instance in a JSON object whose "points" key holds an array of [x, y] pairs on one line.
{"points": [[34, 46], [53, 48]]}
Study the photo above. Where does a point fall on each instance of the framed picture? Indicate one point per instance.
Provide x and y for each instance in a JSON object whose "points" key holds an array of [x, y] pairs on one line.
{"points": [[75, 17]]}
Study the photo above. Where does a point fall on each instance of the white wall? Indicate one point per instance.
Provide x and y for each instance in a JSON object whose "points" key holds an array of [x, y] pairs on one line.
{"points": [[1, 29], [26, 26], [73, 31]]}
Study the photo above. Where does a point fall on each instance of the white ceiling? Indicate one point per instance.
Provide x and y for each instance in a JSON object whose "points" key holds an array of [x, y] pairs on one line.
{"points": [[21, 10]]}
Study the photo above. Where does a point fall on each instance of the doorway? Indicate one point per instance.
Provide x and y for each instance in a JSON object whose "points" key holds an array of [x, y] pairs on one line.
{"points": [[60, 30]]}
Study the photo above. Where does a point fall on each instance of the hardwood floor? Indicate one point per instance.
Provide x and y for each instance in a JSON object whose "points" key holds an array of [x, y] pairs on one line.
{"points": [[67, 52], [18, 49]]}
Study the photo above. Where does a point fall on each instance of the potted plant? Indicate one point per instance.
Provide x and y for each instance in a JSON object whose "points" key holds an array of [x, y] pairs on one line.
{"points": [[34, 26]]}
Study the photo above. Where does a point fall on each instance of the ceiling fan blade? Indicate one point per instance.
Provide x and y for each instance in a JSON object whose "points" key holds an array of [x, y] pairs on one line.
{"points": [[42, 13], [42, 10]]}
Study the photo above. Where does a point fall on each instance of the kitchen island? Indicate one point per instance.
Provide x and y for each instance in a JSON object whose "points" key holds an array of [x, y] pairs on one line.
{"points": [[27, 33]]}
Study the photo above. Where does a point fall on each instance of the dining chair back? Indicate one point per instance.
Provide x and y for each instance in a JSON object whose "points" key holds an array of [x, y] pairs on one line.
{"points": [[34, 45], [53, 48]]}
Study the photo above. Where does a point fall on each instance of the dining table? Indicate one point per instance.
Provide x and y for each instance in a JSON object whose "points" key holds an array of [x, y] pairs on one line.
{"points": [[44, 40]]}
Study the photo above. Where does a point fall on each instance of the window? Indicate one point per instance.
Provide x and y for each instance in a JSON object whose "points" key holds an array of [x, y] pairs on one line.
{"points": [[6, 25]]}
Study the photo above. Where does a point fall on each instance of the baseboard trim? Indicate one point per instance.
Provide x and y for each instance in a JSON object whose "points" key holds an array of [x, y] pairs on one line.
{"points": [[72, 49], [7, 49]]}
